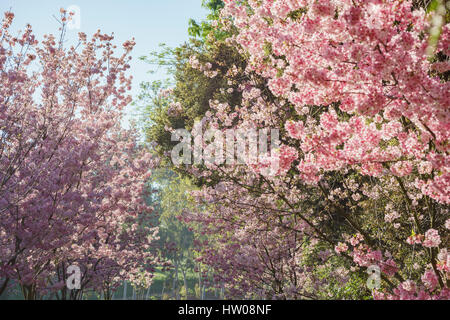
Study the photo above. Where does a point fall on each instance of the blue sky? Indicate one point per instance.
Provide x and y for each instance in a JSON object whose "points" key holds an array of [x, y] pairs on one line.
{"points": [[150, 22]]}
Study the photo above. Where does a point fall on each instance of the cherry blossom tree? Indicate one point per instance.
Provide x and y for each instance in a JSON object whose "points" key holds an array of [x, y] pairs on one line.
{"points": [[72, 180], [359, 91]]}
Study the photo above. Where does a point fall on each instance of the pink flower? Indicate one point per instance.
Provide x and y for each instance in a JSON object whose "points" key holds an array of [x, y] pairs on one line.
{"points": [[287, 156], [391, 216], [323, 8], [389, 267], [356, 239], [129, 44], [425, 167], [375, 255], [401, 168], [295, 129], [430, 279], [409, 285], [414, 239], [341, 247], [443, 263], [432, 238], [356, 196]]}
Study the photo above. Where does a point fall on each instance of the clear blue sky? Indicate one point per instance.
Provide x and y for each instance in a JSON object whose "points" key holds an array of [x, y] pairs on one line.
{"points": [[151, 22]]}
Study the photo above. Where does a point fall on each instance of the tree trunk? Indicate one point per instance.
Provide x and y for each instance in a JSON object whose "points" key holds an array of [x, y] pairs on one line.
{"points": [[200, 281], [148, 293], [175, 290], [185, 283], [164, 286], [222, 291], [29, 292], [124, 290]]}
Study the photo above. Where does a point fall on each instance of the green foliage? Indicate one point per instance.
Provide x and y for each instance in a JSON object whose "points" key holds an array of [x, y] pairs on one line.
{"points": [[191, 88], [205, 29]]}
